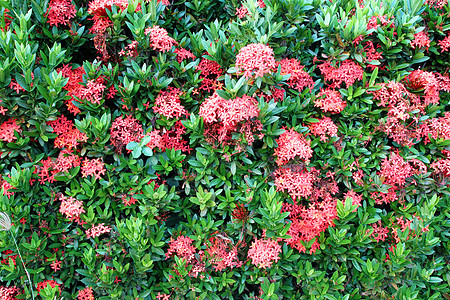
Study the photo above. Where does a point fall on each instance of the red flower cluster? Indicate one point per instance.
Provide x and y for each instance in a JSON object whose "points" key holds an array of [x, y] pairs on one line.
{"points": [[160, 39], [86, 294], [255, 60], [66, 160], [299, 78], [347, 71], [421, 40], [183, 54], [98, 230], [224, 117], [242, 11], [325, 128], [182, 247], [71, 208], [436, 4], [376, 21], [264, 252], [124, 131], [7, 130], [9, 293], [93, 92], [292, 145], [169, 139], [45, 283], [93, 167], [445, 44], [308, 223], [298, 183], [168, 104], [7, 187], [60, 12], [380, 233], [441, 167], [98, 8], [330, 100], [210, 71], [73, 86], [222, 254], [7, 255], [69, 136], [395, 170]]}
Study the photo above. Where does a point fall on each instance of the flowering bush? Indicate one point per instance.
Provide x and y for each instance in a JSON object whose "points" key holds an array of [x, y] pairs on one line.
{"points": [[270, 149]]}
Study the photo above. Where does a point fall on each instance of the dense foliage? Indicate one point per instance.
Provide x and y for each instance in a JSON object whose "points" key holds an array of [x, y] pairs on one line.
{"points": [[270, 149]]}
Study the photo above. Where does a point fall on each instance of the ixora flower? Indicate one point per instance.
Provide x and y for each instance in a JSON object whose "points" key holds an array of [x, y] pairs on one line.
{"points": [[160, 39], [60, 12], [264, 252], [255, 60]]}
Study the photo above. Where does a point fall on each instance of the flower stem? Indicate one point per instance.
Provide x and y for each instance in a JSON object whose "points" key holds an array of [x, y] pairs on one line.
{"points": [[23, 264]]}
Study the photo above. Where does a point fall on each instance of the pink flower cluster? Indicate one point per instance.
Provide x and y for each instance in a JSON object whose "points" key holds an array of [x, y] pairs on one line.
{"points": [[7, 130], [182, 247], [421, 40], [160, 39], [297, 183], [124, 131], [86, 294], [93, 92], [325, 128], [71, 208], [223, 117], [330, 100], [183, 54], [9, 293], [346, 72], [292, 145], [93, 167], [395, 170], [255, 60], [264, 252], [299, 78], [309, 222], [445, 44], [168, 104], [98, 230]]}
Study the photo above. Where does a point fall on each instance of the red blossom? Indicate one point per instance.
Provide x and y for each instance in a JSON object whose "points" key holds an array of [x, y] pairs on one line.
{"points": [[160, 39], [183, 54], [9, 293], [86, 294], [325, 128], [71, 208], [60, 12], [169, 105], [98, 230], [292, 145], [93, 167], [421, 40], [255, 60], [45, 283], [299, 79], [347, 71], [297, 183], [330, 100], [124, 131], [7, 130], [264, 252]]}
